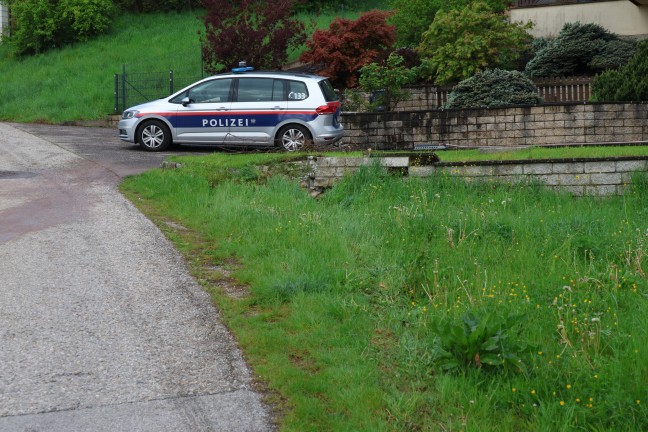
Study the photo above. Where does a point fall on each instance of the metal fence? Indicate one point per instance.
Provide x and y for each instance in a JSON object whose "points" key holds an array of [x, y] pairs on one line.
{"points": [[139, 87]]}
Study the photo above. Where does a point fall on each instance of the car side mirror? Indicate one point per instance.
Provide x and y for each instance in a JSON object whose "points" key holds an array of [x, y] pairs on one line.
{"points": [[186, 101]]}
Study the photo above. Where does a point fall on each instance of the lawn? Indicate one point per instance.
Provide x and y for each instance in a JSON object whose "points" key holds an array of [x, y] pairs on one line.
{"points": [[426, 304]]}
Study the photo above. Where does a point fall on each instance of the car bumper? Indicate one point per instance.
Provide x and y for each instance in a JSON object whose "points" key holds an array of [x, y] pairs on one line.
{"points": [[127, 130], [329, 136]]}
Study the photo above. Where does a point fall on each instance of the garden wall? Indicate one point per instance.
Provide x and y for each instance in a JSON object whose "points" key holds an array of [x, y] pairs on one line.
{"points": [[599, 177], [515, 126]]}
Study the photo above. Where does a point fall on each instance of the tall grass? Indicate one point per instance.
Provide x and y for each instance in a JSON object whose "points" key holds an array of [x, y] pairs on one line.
{"points": [[427, 304]]}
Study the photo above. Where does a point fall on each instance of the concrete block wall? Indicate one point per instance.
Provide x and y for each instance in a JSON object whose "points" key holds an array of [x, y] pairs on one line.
{"points": [[499, 127], [599, 177]]}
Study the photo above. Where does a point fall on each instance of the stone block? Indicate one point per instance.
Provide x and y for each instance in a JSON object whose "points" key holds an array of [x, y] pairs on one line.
{"points": [[558, 139], [504, 118], [327, 172], [569, 168], [606, 179], [544, 117], [601, 190], [556, 124], [422, 171], [507, 170], [486, 120], [325, 162], [496, 126], [323, 182], [615, 123], [634, 122], [563, 116], [477, 170], [631, 166], [599, 167], [537, 169], [394, 162], [394, 124]]}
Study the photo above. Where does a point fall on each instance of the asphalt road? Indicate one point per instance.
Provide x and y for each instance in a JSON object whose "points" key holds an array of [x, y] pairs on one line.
{"points": [[101, 326]]}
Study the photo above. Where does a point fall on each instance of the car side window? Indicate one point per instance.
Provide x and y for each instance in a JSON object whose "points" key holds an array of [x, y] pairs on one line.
{"points": [[217, 90], [297, 91], [260, 90]]}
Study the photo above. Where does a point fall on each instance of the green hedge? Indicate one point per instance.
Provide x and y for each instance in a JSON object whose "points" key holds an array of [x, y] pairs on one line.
{"points": [[494, 88], [628, 83]]}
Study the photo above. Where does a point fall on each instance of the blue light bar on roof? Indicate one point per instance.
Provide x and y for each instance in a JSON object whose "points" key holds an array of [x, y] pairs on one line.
{"points": [[242, 69]]}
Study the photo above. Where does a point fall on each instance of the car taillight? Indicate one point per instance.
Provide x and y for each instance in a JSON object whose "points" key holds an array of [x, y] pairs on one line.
{"points": [[329, 108]]}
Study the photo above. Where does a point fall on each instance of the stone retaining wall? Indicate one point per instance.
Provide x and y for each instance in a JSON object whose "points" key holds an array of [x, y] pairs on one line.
{"points": [[516, 126], [604, 176]]}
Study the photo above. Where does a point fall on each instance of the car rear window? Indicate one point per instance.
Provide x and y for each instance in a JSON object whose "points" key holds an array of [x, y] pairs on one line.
{"points": [[329, 92]]}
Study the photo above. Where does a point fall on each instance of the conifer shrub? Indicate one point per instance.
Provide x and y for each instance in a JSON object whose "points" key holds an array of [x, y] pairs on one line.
{"points": [[494, 88], [579, 49], [627, 83]]}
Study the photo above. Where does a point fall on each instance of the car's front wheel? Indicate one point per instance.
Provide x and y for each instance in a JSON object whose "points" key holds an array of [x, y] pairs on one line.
{"points": [[153, 135], [293, 137]]}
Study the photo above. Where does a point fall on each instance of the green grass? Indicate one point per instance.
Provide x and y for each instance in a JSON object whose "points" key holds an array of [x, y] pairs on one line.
{"points": [[77, 82], [354, 317], [590, 151]]}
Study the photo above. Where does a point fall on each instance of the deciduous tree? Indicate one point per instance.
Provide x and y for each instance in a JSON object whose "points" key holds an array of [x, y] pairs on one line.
{"points": [[462, 42], [348, 45], [258, 31]]}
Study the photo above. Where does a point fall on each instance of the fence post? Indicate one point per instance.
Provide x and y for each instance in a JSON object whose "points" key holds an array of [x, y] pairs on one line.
{"points": [[116, 93], [170, 82], [123, 87]]}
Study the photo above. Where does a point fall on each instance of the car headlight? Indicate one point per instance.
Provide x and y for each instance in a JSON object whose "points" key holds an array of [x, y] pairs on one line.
{"points": [[129, 114]]}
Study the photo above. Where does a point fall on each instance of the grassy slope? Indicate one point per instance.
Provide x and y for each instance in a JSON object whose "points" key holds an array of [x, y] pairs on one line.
{"points": [[77, 82], [347, 293]]}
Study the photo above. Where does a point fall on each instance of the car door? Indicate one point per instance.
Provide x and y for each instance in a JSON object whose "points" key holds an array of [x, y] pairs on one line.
{"points": [[258, 106], [203, 114]]}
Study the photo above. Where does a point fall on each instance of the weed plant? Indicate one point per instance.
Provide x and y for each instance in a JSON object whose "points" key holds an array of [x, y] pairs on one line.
{"points": [[425, 304]]}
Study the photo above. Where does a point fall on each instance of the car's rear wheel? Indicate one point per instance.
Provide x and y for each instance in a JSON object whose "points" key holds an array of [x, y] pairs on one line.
{"points": [[153, 135], [293, 137]]}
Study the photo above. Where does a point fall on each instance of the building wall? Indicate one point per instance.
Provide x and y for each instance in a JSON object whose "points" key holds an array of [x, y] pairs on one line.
{"points": [[620, 16], [4, 19], [499, 127]]}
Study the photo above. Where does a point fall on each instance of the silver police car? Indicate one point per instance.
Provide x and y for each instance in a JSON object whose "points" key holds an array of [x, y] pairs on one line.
{"points": [[244, 107]]}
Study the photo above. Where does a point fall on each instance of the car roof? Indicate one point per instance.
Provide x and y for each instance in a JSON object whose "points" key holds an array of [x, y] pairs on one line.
{"points": [[270, 73]]}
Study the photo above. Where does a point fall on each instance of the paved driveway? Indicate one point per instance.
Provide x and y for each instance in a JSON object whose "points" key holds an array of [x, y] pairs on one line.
{"points": [[101, 326]]}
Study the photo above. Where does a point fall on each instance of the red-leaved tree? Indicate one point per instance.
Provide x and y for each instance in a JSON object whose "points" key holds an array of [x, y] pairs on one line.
{"points": [[348, 45], [259, 32]]}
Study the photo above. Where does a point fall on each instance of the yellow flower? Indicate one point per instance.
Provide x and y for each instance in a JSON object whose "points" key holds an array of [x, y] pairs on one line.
{"points": [[533, 392], [638, 401], [562, 403], [513, 389], [568, 386]]}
